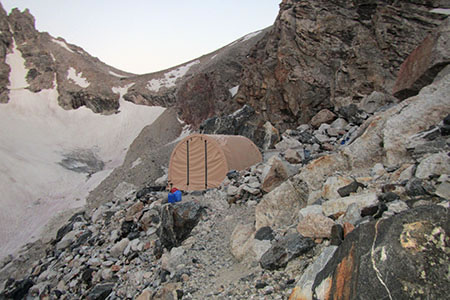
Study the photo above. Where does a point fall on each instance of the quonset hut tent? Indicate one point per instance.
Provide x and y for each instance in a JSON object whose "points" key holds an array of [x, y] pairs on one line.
{"points": [[202, 161]]}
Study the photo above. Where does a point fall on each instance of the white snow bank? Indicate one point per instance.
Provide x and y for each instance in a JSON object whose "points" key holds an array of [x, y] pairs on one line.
{"points": [[117, 75], [186, 131], [77, 78], [62, 44], [170, 77], [16, 62], [234, 90], [251, 35], [36, 135], [442, 11]]}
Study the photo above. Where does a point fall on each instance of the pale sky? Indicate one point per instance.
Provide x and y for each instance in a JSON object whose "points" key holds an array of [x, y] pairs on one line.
{"points": [[143, 36]]}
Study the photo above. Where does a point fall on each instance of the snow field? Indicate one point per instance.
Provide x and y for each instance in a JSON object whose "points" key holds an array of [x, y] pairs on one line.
{"points": [[36, 134]]}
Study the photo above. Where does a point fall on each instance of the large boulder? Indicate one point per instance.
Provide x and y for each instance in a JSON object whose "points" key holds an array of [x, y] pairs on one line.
{"points": [[177, 222], [303, 288], [340, 205], [274, 173], [284, 250], [415, 115], [241, 240], [402, 257], [279, 208]]}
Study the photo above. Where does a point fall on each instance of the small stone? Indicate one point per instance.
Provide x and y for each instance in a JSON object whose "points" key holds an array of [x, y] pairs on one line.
{"points": [[443, 190], [345, 191], [135, 209], [339, 124], [232, 190], [323, 116], [292, 156], [260, 285], [376, 210], [388, 197], [100, 291], [397, 206], [264, 233], [115, 268], [118, 248]]}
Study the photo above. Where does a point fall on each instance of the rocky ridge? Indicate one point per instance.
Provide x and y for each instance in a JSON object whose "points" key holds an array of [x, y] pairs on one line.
{"points": [[199, 88]]}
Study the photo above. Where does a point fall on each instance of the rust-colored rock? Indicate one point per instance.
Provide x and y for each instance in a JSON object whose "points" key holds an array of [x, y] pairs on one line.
{"points": [[424, 63]]}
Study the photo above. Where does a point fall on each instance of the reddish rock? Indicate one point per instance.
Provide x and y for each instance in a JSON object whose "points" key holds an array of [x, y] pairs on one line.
{"points": [[323, 116], [348, 227], [424, 63], [115, 268]]}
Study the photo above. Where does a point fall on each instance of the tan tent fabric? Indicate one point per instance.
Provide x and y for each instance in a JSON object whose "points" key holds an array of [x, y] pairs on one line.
{"points": [[202, 161]]}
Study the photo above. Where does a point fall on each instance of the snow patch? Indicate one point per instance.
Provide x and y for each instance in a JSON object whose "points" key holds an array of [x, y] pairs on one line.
{"points": [[62, 44], [51, 158], [17, 79], [136, 163], [214, 56], [186, 131], [251, 35], [234, 90], [77, 78], [117, 75], [170, 78], [442, 11]]}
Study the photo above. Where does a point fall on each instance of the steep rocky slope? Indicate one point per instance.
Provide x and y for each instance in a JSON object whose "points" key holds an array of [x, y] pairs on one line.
{"points": [[199, 88], [328, 54]]}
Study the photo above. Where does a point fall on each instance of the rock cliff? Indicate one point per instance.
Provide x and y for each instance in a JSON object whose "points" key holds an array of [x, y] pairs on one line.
{"points": [[328, 54]]}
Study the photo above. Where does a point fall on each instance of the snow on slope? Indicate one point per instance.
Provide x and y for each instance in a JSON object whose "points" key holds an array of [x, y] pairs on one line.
{"points": [[62, 44], [46, 154], [170, 77], [77, 78]]}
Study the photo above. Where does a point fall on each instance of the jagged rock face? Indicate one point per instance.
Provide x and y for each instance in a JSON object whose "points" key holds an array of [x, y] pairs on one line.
{"points": [[320, 53], [199, 89], [208, 92], [5, 43]]}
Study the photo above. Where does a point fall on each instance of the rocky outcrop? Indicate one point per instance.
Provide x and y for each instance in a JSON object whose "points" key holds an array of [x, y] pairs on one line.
{"points": [[5, 44], [424, 63], [397, 258], [321, 54]]}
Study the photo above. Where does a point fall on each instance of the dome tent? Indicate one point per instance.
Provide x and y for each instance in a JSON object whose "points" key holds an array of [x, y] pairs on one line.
{"points": [[201, 161]]}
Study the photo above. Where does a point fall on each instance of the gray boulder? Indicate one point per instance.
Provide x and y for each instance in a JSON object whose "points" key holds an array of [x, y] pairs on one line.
{"points": [[284, 250]]}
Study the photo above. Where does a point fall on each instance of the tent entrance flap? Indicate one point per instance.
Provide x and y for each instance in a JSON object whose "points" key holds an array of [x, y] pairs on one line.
{"points": [[201, 161]]}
